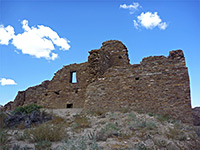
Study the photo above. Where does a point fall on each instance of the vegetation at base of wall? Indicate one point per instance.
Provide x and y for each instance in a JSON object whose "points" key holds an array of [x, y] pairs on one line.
{"points": [[142, 124], [27, 109], [95, 112], [131, 116], [45, 132], [164, 118], [121, 131]]}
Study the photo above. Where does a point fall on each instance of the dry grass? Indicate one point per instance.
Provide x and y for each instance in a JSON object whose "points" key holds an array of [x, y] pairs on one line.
{"points": [[57, 120], [80, 122], [46, 132], [176, 132]]}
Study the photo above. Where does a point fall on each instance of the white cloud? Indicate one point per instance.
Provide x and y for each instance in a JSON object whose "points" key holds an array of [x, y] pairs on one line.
{"points": [[5, 81], [6, 34], [37, 41], [132, 7], [149, 20]]}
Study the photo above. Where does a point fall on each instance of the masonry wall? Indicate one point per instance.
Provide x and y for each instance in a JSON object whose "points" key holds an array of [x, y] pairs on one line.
{"points": [[108, 82], [158, 84], [61, 91]]}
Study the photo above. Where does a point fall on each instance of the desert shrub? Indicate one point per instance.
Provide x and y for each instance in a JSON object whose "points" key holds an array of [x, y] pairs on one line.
{"points": [[80, 122], [160, 142], [124, 110], [43, 145], [80, 143], [27, 109], [45, 132], [197, 130], [20, 136], [4, 139], [111, 126], [140, 146], [57, 120], [137, 124], [95, 112], [151, 114], [176, 133], [113, 116], [98, 135], [111, 130], [132, 116], [142, 124], [163, 118], [18, 147], [150, 125]]}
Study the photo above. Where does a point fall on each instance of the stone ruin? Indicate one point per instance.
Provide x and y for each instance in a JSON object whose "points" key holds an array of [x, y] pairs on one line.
{"points": [[108, 82]]}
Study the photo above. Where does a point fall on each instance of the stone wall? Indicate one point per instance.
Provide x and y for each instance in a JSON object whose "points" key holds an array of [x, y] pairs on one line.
{"points": [[107, 82], [61, 91], [112, 53], [158, 84]]}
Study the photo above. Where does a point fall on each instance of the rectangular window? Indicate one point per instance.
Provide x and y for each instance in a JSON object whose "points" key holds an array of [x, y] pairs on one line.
{"points": [[69, 106], [73, 77]]}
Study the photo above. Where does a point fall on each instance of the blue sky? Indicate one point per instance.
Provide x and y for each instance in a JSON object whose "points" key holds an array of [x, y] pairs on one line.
{"points": [[38, 37]]}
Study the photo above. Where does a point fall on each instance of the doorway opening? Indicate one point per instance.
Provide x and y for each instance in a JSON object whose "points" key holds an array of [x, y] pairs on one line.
{"points": [[69, 106]]}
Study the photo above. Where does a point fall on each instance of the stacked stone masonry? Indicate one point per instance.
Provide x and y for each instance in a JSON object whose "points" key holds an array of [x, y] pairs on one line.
{"points": [[108, 82]]}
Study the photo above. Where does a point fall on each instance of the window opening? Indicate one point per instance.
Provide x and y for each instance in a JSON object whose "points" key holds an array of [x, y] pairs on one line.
{"points": [[73, 77], [137, 78], [120, 57], [69, 106], [76, 90], [56, 92]]}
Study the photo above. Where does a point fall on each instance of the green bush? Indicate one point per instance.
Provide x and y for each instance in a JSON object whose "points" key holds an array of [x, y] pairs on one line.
{"points": [[27, 109], [151, 114], [132, 116], [150, 125], [163, 118]]}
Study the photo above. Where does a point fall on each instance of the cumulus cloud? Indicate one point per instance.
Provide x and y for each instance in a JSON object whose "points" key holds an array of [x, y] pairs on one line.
{"points": [[39, 41], [149, 20], [5, 81], [6, 34], [132, 7]]}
